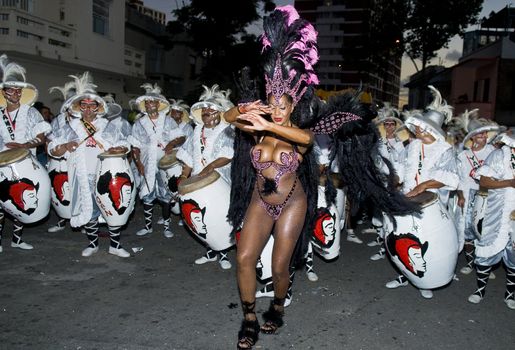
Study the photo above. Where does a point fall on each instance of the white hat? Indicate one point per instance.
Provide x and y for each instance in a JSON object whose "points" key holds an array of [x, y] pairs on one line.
{"points": [[507, 138], [85, 89], [476, 125], [68, 91], [152, 92], [179, 105], [113, 108], [213, 98], [13, 75], [437, 113], [387, 113]]}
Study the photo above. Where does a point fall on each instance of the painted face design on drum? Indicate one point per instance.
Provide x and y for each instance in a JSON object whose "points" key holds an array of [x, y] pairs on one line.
{"points": [[118, 188], [410, 251], [324, 230], [193, 215], [22, 193], [60, 186]]}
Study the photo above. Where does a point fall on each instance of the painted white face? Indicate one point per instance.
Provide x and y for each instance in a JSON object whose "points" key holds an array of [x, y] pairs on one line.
{"points": [[66, 191], [329, 230], [125, 195], [198, 224], [416, 260], [30, 199]]}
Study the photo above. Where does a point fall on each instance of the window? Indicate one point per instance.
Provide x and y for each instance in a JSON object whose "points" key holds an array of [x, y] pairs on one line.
{"points": [[58, 43], [4, 31], [101, 16], [128, 62], [4, 16], [28, 35]]}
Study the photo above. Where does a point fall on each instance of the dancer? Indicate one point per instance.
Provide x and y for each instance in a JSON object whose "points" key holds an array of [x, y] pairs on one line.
{"points": [[497, 236], [210, 149], [153, 136], [81, 141], [22, 126]]}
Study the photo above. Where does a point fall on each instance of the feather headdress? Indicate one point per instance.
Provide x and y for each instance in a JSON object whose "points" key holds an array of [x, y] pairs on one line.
{"points": [[67, 91], [473, 125], [212, 98], [181, 106], [85, 90], [13, 75], [114, 109], [152, 92]]}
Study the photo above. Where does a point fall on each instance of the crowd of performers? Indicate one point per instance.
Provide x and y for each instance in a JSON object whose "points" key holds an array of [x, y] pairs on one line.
{"points": [[279, 177]]}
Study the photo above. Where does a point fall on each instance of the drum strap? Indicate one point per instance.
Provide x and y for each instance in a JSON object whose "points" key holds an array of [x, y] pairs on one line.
{"points": [[10, 123], [203, 145], [474, 163], [91, 130], [420, 161], [512, 161]]}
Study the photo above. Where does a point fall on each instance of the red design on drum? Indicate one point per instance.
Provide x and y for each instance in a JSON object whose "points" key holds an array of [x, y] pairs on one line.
{"points": [[22, 193], [410, 251], [193, 216]]}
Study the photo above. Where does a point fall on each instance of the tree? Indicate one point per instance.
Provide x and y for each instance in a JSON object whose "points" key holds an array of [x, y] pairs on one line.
{"points": [[218, 33], [430, 25]]}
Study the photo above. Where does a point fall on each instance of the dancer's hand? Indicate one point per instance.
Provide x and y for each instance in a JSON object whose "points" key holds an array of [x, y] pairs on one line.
{"points": [[257, 122], [256, 106]]}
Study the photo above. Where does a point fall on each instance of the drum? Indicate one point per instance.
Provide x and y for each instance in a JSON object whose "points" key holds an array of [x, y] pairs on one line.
{"points": [[169, 170], [479, 211], [115, 192], [204, 206], [425, 246], [512, 221], [60, 193], [326, 231], [24, 186]]}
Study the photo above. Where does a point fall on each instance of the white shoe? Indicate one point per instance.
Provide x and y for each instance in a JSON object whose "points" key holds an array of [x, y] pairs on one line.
{"points": [[181, 222], [474, 299], [492, 276], [22, 245], [143, 232], [203, 259], [510, 303], [426, 293], [83, 230], [353, 238], [1, 249], [381, 254], [225, 264], [161, 221], [466, 270], [396, 283], [287, 302], [122, 253], [55, 228], [360, 222], [261, 294], [313, 277], [89, 251], [168, 233]]}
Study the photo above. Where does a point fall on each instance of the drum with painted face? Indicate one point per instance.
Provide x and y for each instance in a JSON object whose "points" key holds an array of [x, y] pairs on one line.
{"points": [[478, 213], [169, 170], [204, 205], [425, 246], [60, 193], [326, 231], [115, 193], [24, 186]]}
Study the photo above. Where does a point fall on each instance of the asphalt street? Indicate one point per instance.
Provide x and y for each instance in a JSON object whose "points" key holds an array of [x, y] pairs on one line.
{"points": [[53, 298]]}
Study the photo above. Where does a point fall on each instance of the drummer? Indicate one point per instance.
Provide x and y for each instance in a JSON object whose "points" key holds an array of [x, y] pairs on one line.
{"points": [[81, 141], [153, 136], [497, 241], [391, 147], [22, 126], [58, 123], [477, 147], [210, 149], [430, 163]]}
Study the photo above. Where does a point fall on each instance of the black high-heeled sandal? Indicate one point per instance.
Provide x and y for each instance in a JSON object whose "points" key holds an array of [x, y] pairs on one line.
{"points": [[273, 317], [249, 331]]}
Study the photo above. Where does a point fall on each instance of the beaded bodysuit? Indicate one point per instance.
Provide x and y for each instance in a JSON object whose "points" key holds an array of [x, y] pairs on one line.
{"points": [[289, 164]]}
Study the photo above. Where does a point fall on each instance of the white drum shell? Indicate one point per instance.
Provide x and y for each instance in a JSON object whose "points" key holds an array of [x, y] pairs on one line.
{"points": [[332, 251], [215, 199], [31, 169], [435, 227], [60, 166], [478, 214], [166, 174], [114, 217]]}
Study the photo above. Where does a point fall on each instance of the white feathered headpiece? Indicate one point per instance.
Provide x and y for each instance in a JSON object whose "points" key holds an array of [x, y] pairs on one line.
{"points": [[13, 75], [67, 91], [181, 106], [472, 125], [152, 92], [85, 89], [212, 98]]}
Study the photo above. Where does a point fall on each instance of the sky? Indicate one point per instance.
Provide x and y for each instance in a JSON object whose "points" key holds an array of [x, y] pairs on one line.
{"points": [[446, 57]]}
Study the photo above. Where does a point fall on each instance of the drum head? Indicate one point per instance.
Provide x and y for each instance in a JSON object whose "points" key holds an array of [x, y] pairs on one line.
{"points": [[113, 154], [512, 216], [13, 155], [425, 199], [197, 182], [482, 192], [168, 160]]}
